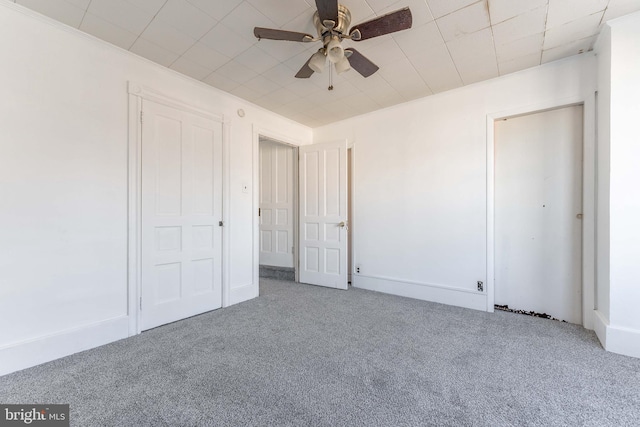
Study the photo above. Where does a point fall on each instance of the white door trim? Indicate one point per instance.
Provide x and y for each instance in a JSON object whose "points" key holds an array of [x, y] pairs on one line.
{"points": [[137, 92], [588, 197]]}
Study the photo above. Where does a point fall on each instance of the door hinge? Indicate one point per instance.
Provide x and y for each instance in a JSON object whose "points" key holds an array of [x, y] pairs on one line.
{"points": [[259, 211], [140, 303], [221, 223], [141, 117]]}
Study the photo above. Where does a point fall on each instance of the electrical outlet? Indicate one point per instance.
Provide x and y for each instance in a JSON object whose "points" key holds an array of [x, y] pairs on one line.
{"points": [[358, 269], [480, 286]]}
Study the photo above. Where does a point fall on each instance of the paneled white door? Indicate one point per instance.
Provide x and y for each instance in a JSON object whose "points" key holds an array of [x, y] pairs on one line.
{"points": [[276, 204], [323, 214], [538, 210], [181, 208]]}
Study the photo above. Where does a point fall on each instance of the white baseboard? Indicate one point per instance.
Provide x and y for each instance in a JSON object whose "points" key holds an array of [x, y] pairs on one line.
{"points": [[243, 293], [33, 352], [617, 339], [434, 293]]}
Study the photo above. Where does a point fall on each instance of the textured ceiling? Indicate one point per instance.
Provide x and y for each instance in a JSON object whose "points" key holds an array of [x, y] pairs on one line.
{"points": [[452, 43]]}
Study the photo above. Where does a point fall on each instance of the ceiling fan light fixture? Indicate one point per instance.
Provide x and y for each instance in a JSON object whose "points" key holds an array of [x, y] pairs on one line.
{"points": [[335, 52], [343, 65], [318, 61]]}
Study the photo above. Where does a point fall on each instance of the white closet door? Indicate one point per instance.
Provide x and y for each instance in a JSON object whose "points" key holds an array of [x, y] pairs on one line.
{"points": [[276, 204], [181, 210], [323, 214], [538, 207]]}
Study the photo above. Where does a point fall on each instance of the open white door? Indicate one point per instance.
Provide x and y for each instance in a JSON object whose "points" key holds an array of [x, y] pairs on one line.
{"points": [[323, 214], [181, 208]]}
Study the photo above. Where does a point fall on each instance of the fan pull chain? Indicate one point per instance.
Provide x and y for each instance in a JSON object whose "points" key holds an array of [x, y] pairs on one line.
{"points": [[330, 76]]}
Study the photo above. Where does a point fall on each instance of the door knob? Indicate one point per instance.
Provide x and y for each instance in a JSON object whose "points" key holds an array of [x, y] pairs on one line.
{"points": [[342, 224], [579, 216]]}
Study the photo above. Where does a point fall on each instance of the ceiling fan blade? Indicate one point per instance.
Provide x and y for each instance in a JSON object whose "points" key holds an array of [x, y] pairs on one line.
{"points": [[273, 34], [360, 63], [327, 10], [305, 72], [389, 23]]}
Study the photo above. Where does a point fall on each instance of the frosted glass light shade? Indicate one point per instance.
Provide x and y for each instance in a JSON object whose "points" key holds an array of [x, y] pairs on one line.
{"points": [[317, 62], [335, 52]]}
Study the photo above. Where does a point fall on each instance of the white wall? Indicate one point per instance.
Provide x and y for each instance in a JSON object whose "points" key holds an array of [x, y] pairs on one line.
{"points": [[420, 178], [620, 58], [63, 184]]}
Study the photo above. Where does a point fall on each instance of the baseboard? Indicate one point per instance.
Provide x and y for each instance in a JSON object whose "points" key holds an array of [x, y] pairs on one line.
{"points": [[26, 354], [423, 291], [617, 339], [243, 293]]}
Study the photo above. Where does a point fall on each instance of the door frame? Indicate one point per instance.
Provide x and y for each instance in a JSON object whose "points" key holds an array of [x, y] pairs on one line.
{"points": [[274, 136], [137, 93], [588, 196]]}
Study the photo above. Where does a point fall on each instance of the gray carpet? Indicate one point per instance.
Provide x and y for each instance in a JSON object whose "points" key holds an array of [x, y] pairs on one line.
{"points": [[304, 355]]}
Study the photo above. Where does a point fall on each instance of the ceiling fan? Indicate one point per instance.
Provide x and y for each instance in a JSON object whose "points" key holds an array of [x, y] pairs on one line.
{"points": [[332, 21]]}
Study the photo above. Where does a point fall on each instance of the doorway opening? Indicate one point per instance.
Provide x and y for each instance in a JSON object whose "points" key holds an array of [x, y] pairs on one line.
{"points": [[277, 209]]}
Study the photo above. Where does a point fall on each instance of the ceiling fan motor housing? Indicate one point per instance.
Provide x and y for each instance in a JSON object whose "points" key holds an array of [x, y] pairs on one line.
{"points": [[340, 27]]}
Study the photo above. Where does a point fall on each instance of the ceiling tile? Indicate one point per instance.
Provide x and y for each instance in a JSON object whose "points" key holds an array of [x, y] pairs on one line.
{"points": [[281, 12], [501, 10], [519, 48], [121, 13], [186, 18], [237, 72], [464, 21], [280, 74], [216, 9], [165, 35], [153, 52], [521, 63], [245, 93], [414, 42], [150, 6], [283, 95], [360, 10], [385, 53], [378, 5], [474, 69], [221, 82], [107, 31], [261, 85], [478, 44], [256, 59], [190, 68], [572, 48], [301, 87], [563, 11], [244, 18], [60, 10], [303, 23], [284, 50], [444, 7], [202, 55], [618, 8], [574, 30], [83, 4], [222, 39], [436, 68], [526, 24]]}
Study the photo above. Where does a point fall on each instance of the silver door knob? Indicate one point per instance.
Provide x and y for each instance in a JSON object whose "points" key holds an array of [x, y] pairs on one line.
{"points": [[342, 224]]}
